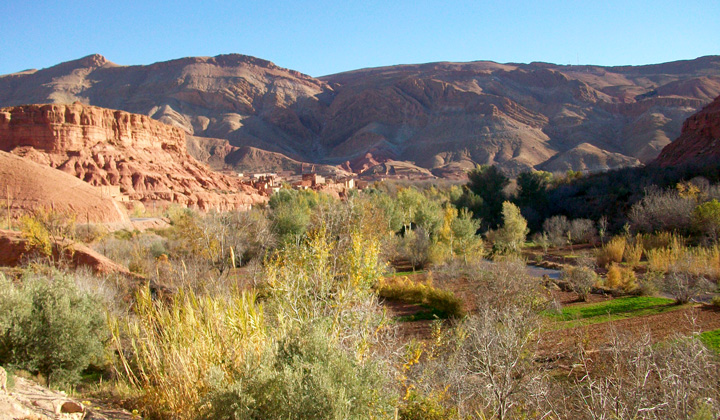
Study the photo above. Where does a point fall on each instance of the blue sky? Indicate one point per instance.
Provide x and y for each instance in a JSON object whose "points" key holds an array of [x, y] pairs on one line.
{"points": [[324, 37]]}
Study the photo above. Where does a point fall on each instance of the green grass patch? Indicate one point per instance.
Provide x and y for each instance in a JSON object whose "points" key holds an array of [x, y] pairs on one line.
{"points": [[711, 339], [610, 307], [428, 315], [406, 273], [611, 310]]}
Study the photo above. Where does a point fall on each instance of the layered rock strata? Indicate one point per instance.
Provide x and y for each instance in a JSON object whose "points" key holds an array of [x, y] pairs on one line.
{"points": [[443, 116], [131, 156]]}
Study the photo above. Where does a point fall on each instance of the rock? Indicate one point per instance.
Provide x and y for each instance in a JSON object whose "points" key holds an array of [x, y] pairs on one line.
{"points": [[699, 141], [3, 381], [129, 157], [32, 401], [68, 407]]}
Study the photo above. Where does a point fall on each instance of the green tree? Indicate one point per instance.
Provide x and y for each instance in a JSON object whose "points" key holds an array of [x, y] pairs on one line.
{"points": [[511, 237], [291, 211], [466, 241], [419, 210], [532, 189], [706, 218], [48, 326], [488, 183]]}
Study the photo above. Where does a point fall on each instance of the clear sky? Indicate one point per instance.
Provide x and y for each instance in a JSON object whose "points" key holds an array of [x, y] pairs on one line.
{"points": [[324, 37]]}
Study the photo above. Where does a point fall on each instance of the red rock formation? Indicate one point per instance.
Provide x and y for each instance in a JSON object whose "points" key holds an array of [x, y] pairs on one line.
{"points": [[146, 159], [26, 186], [699, 141], [15, 250]]}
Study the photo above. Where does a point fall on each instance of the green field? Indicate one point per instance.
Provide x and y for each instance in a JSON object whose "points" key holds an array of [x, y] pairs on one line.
{"points": [[611, 310], [711, 339]]}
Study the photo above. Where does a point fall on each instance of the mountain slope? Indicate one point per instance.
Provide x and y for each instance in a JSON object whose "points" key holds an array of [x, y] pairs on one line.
{"points": [[434, 115], [699, 141]]}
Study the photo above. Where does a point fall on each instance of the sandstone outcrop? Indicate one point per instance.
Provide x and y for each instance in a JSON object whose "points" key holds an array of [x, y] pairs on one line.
{"points": [[26, 186], [441, 116], [132, 157], [699, 141], [15, 250]]}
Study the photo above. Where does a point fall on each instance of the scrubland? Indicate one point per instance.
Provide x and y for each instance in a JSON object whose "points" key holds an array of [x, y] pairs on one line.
{"points": [[399, 302]]}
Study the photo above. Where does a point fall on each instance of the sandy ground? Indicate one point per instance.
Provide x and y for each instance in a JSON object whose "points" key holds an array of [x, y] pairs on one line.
{"points": [[27, 400]]}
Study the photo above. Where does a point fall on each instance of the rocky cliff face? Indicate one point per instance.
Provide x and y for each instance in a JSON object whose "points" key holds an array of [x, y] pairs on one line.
{"points": [[439, 116], [699, 141], [146, 159]]}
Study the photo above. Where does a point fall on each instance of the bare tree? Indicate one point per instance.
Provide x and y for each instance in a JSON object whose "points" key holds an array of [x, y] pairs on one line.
{"points": [[633, 378], [498, 358]]}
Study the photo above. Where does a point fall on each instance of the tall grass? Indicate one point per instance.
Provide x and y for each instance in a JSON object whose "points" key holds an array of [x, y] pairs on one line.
{"points": [[660, 239], [324, 280], [633, 252], [698, 261], [612, 251], [166, 350], [621, 278]]}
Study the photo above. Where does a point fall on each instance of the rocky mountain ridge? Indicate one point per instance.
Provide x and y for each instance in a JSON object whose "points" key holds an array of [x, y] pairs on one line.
{"points": [[133, 156], [699, 141], [442, 117]]}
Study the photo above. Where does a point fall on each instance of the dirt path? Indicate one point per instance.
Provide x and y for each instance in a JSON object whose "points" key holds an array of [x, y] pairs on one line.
{"points": [[29, 401], [409, 330]]}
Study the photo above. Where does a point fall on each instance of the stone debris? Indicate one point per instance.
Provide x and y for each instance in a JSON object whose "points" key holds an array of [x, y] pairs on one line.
{"points": [[30, 401]]}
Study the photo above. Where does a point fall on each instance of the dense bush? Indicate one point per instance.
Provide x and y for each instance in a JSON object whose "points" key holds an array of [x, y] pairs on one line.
{"points": [[305, 376], [48, 326], [611, 252], [581, 280], [420, 407], [662, 211]]}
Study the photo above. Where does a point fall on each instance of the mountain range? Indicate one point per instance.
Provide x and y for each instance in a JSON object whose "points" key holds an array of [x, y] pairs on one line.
{"points": [[249, 114]]}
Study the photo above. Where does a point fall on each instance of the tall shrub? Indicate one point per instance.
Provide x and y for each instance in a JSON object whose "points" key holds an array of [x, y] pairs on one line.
{"points": [[48, 326]]}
